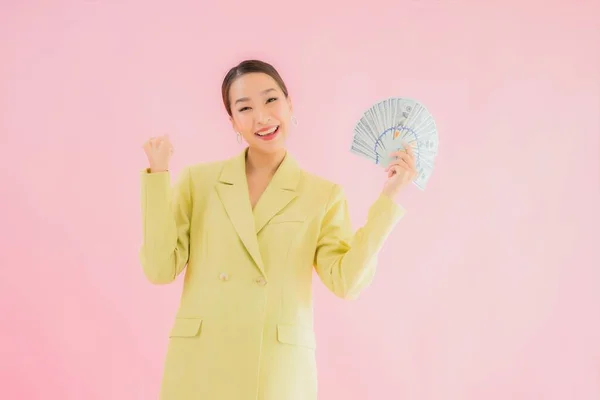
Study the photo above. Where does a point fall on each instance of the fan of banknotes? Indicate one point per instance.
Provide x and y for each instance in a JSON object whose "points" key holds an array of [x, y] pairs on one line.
{"points": [[388, 125]]}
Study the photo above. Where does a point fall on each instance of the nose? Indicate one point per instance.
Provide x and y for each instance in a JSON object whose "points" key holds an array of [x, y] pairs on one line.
{"points": [[263, 116]]}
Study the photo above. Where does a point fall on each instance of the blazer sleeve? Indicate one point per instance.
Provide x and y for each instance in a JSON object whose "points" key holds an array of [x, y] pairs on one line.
{"points": [[345, 260], [166, 215]]}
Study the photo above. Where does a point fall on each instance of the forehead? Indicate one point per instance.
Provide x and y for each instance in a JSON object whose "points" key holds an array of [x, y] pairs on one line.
{"points": [[251, 85]]}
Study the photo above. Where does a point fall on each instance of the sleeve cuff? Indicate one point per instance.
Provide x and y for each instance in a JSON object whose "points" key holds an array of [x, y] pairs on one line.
{"points": [[385, 207]]}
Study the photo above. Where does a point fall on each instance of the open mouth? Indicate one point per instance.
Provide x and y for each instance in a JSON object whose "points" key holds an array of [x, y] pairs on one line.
{"points": [[268, 134]]}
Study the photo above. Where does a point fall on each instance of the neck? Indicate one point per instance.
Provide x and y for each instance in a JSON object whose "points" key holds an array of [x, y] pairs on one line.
{"points": [[266, 163]]}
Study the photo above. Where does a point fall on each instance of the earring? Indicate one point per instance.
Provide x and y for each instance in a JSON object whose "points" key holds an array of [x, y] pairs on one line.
{"points": [[294, 120], [238, 137]]}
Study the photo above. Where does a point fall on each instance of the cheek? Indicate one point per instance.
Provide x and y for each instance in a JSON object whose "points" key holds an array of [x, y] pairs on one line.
{"points": [[244, 124], [282, 113]]}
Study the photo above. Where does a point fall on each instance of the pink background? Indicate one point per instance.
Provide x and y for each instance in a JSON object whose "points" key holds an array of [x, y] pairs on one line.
{"points": [[489, 289]]}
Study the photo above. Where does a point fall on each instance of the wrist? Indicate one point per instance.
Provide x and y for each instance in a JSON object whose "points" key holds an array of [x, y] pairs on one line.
{"points": [[157, 170], [391, 195]]}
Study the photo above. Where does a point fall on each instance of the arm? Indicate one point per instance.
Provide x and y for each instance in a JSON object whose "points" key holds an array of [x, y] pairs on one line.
{"points": [[166, 214], [346, 261]]}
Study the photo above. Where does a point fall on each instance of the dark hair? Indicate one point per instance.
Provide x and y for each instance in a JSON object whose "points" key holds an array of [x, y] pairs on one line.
{"points": [[246, 67]]}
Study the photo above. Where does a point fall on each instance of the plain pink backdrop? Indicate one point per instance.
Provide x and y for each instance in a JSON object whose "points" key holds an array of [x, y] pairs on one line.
{"points": [[489, 289]]}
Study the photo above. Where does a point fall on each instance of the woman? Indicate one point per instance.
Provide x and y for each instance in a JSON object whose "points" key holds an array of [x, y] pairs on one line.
{"points": [[250, 229]]}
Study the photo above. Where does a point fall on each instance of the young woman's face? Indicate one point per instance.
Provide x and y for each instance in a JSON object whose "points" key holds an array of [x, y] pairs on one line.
{"points": [[260, 112]]}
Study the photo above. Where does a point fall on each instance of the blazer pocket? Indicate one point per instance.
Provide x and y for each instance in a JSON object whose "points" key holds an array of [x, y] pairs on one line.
{"points": [[299, 336], [282, 218], [186, 327]]}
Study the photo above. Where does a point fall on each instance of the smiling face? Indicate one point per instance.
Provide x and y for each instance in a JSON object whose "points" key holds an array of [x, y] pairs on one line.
{"points": [[260, 111]]}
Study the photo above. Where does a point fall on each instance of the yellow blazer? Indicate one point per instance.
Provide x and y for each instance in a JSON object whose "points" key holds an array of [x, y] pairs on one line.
{"points": [[244, 328]]}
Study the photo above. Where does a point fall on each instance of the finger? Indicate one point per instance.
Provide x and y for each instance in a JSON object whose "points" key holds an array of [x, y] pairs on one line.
{"points": [[161, 143], [398, 163], [402, 154], [413, 172], [148, 146], [411, 161], [398, 169], [409, 148], [166, 142], [392, 163], [397, 154], [403, 157], [392, 171], [410, 155]]}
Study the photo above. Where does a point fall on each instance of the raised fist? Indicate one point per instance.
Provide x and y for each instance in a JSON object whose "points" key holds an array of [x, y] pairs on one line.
{"points": [[158, 150]]}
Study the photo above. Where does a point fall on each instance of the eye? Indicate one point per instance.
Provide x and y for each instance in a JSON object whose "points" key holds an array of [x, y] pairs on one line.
{"points": [[271, 99], [243, 109]]}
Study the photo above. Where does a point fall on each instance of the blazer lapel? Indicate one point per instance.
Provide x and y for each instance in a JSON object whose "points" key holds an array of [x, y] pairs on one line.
{"points": [[279, 193], [233, 191]]}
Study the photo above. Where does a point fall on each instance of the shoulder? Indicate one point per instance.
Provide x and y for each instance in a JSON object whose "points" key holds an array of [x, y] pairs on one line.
{"points": [[326, 190], [206, 171]]}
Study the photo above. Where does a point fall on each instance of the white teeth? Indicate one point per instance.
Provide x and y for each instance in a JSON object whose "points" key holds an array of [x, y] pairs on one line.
{"points": [[268, 132]]}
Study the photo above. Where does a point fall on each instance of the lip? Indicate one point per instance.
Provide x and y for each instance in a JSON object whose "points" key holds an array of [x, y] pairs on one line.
{"points": [[269, 137], [266, 128]]}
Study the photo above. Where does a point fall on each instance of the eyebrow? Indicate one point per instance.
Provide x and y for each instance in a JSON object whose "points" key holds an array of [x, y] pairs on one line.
{"points": [[242, 99]]}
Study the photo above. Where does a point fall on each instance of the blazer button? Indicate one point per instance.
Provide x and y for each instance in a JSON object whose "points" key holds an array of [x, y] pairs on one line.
{"points": [[261, 281], [224, 277]]}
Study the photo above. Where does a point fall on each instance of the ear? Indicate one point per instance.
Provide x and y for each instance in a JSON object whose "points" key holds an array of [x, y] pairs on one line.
{"points": [[290, 104], [233, 125]]}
